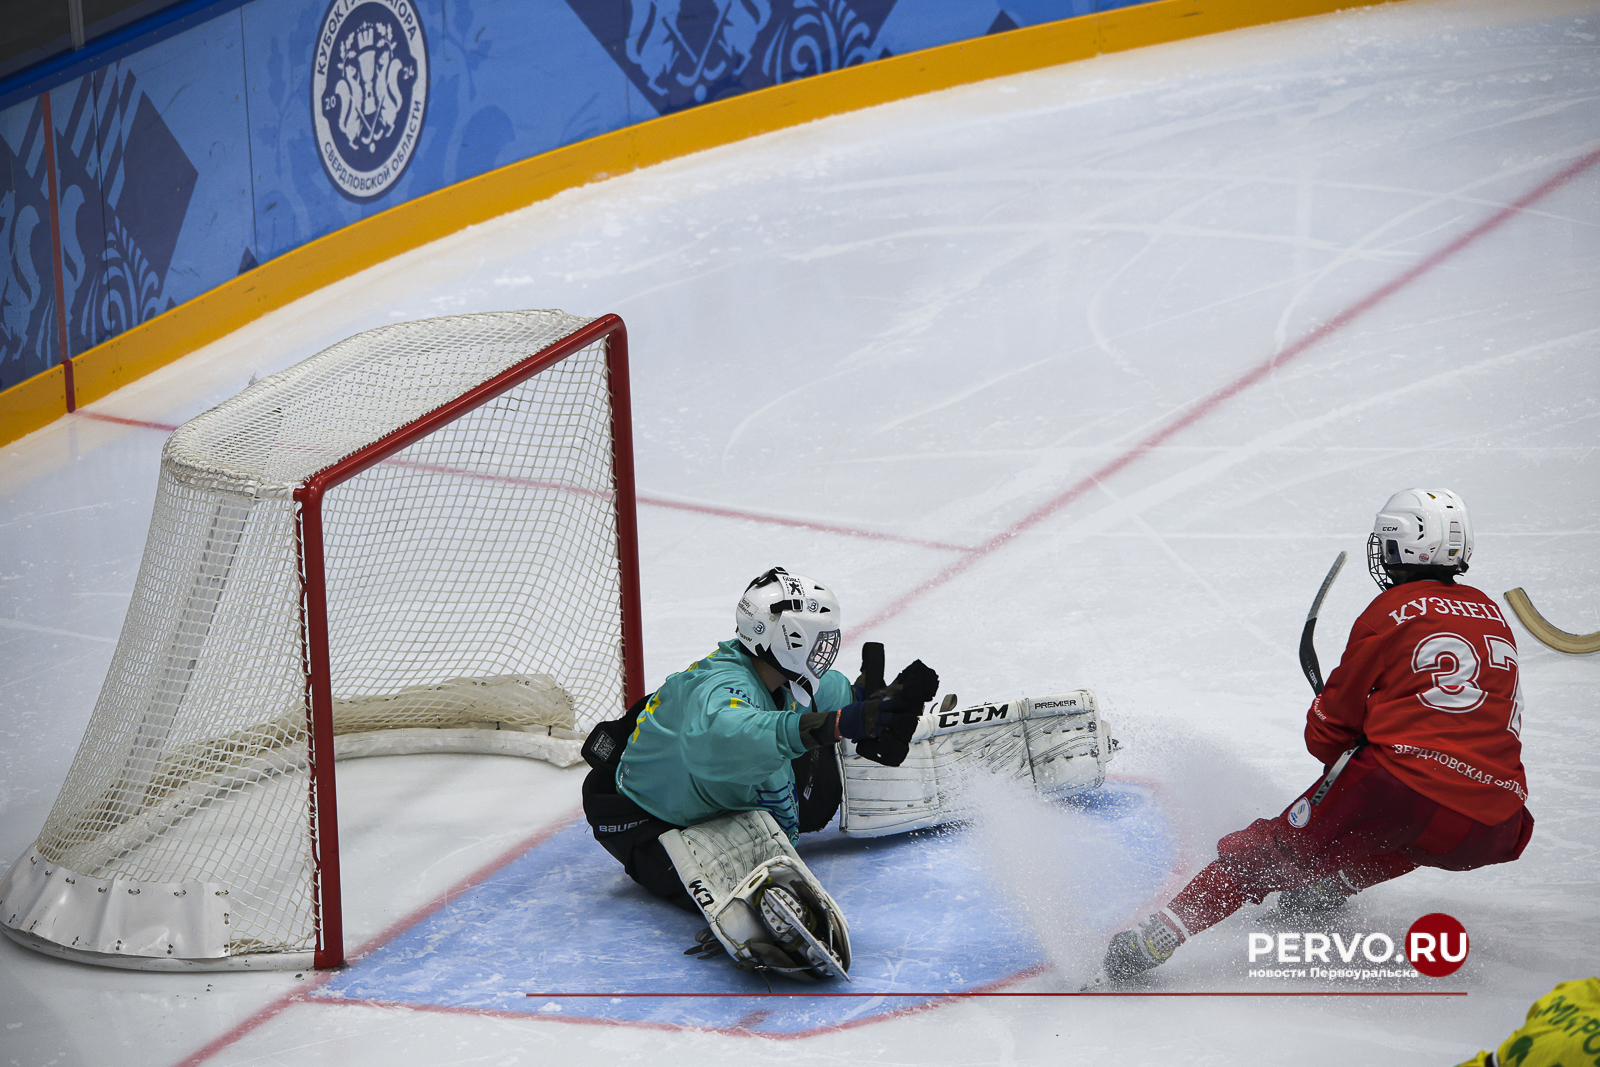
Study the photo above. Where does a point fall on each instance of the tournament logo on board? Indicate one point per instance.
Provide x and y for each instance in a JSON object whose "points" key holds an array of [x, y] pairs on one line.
{"points": [[369, 93]]}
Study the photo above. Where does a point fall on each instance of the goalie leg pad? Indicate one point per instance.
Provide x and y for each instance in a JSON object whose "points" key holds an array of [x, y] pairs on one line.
{"points": [[1059, 743], [760, 899]]}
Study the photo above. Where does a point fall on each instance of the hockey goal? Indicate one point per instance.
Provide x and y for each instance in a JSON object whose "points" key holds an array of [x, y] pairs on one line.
{"points": [[421, 539]]}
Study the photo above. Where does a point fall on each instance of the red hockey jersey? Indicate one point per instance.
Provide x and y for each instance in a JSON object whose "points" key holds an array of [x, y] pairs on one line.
{"points": [[1430, 679]]}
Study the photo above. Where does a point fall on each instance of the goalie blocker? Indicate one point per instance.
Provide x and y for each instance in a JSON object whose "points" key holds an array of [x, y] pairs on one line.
{"points": [[1059, 742]]}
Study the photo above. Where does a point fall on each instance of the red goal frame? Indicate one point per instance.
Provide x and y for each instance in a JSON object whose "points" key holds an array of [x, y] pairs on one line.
{"points": [[327, 900]]}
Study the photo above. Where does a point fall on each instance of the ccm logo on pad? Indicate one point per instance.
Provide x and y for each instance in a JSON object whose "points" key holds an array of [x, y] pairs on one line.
{"points": [[972, 716]]}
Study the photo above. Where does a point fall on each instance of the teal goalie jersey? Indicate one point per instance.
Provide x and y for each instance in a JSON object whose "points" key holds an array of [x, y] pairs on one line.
{"points": [[713, 740]]}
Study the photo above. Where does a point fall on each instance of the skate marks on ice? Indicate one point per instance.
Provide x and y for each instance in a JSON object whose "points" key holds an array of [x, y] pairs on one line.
{"points": [[930, 918]]}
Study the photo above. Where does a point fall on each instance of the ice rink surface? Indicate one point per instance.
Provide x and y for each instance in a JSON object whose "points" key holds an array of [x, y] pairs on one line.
{"points": [[1079, 378]]}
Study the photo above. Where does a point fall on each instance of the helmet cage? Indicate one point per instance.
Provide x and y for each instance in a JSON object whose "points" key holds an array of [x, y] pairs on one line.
{"points": [[823, 652], [1376, 558]]}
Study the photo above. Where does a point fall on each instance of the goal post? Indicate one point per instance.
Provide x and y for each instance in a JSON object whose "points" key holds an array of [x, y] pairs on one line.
{"points": [[422, 539]]}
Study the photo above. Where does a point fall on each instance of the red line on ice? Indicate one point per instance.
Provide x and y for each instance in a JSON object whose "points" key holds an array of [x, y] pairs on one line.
{"points": [[737, 1030], [1208, 404], [680, 505], [302, 996], [941, 996], [654, 501], [142, 424], [802, 524]]}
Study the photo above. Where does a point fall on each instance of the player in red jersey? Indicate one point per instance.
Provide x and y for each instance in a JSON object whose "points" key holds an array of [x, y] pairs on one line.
{"points": [[1418, 729]]}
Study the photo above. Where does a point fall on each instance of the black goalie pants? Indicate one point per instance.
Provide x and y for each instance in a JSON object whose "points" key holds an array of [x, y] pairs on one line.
{"points": [[632, 835]]}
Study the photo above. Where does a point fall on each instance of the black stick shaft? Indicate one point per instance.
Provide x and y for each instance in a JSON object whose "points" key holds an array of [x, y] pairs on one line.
{"points": [[1308, 648]]}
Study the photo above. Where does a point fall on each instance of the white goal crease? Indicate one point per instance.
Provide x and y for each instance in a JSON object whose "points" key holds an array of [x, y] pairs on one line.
{"points": [[418, 540]]}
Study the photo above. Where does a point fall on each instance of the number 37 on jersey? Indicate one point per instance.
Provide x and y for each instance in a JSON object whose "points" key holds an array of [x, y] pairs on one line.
{"points": [[1452, 668]]}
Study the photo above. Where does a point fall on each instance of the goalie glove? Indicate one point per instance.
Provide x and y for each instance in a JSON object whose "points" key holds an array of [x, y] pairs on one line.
{"points": [[870, 680], [882, 723]]}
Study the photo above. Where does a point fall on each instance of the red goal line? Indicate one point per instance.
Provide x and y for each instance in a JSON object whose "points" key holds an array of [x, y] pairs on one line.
{"points": [[1003, 993]]}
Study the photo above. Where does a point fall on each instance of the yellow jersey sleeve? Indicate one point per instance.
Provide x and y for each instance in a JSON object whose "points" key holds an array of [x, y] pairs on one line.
{"points": [[1562, 1030]]}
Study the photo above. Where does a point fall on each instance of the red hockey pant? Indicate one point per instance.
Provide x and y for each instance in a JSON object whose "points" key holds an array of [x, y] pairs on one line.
{"points": [[1371, 826]]}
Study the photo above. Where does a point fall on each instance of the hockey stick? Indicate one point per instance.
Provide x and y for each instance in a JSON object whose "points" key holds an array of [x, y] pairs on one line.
{"points": [[1334, 772], [1308, 650], [1308, 663], [1560, 640]]}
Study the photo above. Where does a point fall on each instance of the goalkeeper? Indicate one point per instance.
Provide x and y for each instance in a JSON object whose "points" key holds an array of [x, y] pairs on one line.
{"points": [[752, 726]]}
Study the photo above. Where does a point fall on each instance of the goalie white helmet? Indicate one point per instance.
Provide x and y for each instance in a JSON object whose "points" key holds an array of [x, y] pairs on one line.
{"points": [[1420, 528], [792, 624]]}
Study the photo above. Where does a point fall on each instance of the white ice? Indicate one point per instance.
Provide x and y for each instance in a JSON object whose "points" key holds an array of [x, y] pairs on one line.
{"points": [[933, 320]]}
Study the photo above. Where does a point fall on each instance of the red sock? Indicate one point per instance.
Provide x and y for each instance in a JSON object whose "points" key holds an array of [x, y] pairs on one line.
{"points": [[1211, 896]]}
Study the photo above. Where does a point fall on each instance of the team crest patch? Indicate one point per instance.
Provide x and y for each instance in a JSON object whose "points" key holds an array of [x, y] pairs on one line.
{"points": [[1300, 813], [369, 93]]}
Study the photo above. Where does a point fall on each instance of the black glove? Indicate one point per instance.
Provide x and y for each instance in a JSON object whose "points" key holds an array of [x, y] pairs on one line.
{"points": [[918, 683], [870, 681], [882, 724]]}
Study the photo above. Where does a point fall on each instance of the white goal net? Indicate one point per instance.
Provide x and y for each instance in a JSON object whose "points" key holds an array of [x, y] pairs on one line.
{"points": [[420, 539]]}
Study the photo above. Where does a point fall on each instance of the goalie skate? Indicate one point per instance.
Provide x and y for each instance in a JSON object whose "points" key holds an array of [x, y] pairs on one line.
{"points": [[1059, 743], [791, 922], [763, 904]]}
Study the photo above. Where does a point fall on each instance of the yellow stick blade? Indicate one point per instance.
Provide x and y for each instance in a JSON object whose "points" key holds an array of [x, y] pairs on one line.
{"points": [[1560, 640]]}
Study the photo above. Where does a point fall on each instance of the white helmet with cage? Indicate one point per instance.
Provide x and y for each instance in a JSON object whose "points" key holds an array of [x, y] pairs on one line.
{"points": [[792, 624], [1420, 528]]}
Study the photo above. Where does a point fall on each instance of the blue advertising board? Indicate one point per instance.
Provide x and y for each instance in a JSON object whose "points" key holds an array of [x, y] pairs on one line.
{"points": [[226, 141]]}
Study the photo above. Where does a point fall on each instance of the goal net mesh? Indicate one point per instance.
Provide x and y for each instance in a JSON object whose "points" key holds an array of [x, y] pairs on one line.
{"points": [[472, 579]]}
